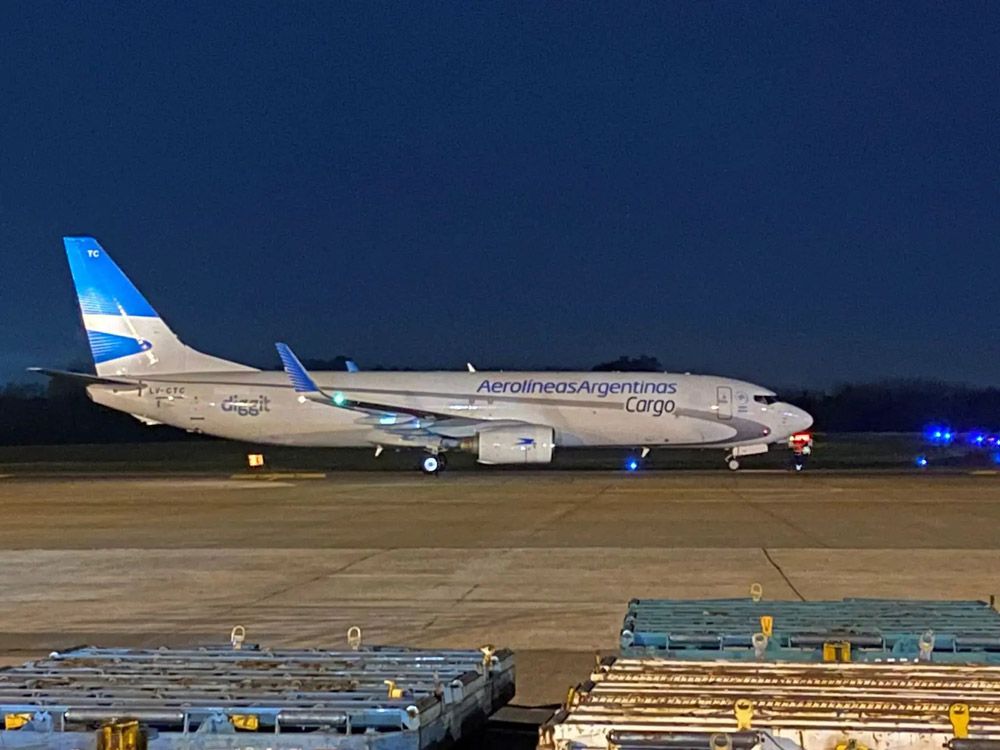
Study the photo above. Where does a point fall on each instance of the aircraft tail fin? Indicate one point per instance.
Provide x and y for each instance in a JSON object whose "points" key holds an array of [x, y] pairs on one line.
{"points": [[127, 336]]}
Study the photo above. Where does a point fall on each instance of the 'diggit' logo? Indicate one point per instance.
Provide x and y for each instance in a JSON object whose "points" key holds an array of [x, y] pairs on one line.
{"points": [[247, 407]]}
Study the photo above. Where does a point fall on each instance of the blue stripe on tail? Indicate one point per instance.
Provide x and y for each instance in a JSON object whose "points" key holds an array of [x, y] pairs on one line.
{"points": [[108, 346]]}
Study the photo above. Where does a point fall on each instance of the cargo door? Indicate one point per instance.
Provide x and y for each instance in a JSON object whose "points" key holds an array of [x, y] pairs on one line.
{"points": [[196, 413], [724, 401]]}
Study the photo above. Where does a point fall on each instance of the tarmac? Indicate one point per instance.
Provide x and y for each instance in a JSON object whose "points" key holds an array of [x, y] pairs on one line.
{"points": [[543, 562]]}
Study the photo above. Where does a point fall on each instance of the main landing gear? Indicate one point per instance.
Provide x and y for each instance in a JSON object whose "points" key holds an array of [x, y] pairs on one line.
{"points": [[432, 463]]}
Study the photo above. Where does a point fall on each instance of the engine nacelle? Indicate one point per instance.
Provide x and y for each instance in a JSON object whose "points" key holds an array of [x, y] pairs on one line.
{"points": [[530, 444]]}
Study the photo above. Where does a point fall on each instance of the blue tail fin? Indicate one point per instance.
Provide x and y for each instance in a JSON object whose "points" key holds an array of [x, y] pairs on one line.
{"points": [[101, 287], [126, 335]]}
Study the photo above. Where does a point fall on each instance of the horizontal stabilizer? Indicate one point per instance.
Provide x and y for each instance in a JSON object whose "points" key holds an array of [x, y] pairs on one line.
{"points": [[85, 378]]}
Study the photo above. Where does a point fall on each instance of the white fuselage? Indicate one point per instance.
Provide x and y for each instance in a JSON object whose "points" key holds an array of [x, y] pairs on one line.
{"points": [[583, 408]]}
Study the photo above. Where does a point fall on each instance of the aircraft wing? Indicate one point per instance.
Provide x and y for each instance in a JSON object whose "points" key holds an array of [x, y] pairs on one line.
{"points": [[393, 419], [303, 384]]}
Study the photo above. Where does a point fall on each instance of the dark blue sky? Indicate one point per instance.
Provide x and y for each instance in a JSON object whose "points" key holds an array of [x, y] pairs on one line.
{"points": [[797, 193]]}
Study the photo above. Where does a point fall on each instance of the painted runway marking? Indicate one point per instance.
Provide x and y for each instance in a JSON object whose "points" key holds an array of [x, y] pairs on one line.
{"points": [[210, 484], [278, 475]]}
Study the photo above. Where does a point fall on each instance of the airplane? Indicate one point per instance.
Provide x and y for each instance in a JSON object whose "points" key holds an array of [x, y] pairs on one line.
{"points": [[142, 368]]}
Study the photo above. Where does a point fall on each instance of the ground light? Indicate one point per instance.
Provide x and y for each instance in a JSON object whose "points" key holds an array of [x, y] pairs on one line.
{"points": [[921, 462], [631, 464], [939, 435]]}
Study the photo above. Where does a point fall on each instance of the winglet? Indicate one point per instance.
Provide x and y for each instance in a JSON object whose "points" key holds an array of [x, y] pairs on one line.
{"points": [[297, 374]]}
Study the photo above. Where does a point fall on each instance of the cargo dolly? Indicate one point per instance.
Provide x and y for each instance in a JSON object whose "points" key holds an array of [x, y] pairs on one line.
{"points": [[660, 704], [376, 698], [846, 630]]}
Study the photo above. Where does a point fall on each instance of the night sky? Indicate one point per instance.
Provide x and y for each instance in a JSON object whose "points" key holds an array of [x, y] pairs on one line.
{"points": [[795, 193]]}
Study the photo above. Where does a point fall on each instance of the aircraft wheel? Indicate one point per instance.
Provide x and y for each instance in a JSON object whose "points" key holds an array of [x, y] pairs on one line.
{"points": [[733, 464], [431, 464]]}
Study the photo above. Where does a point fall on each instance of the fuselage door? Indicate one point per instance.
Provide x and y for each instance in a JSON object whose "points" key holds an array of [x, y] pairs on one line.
{"points": [[724, 401]]}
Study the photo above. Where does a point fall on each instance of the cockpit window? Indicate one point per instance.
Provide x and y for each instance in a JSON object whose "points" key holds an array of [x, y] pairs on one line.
{"points": [[766, 399]]}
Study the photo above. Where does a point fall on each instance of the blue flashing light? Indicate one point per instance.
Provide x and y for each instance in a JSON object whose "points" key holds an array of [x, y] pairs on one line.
{"points": [[339, 398], [631, 465], [939, 435], [921, 462], [996, 458], [979, 439]]}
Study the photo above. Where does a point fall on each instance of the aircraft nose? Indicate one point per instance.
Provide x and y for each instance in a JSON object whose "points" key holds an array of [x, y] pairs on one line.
{"points": [[794, 418]]}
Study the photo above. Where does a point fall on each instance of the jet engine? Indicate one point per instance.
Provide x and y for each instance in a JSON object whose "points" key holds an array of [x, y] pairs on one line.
{"points": [[531, 444]]}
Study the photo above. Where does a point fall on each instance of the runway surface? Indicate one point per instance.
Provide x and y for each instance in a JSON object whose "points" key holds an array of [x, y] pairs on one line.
{"points": [[541, 562]]}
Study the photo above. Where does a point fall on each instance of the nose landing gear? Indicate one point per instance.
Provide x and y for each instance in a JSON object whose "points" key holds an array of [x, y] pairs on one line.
{"points": [[733, 457]]}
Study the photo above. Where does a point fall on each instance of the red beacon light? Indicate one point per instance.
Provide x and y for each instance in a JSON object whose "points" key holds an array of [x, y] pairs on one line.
{"points": [[800, 439]]}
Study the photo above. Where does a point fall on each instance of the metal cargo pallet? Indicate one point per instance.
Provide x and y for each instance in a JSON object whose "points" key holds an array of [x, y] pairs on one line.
{"points": [[376, 698], [872, 629], [715, 705]]}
